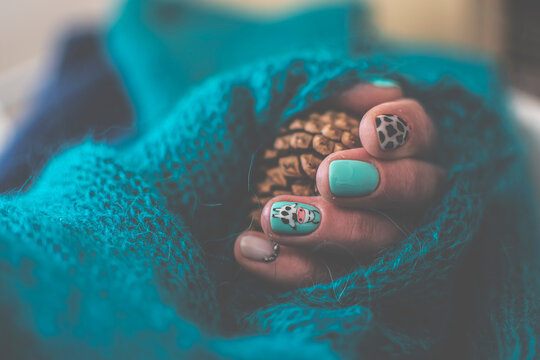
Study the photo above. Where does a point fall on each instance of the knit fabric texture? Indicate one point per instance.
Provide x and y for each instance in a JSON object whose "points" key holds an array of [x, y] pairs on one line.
{"points": [[127, 253], [162, 48]]}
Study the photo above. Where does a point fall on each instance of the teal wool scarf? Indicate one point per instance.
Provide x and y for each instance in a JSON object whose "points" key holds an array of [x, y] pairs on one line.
{"points": [[126, 252]]}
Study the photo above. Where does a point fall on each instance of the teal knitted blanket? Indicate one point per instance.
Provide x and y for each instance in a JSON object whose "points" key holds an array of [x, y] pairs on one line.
{"points": [[127, 252]]}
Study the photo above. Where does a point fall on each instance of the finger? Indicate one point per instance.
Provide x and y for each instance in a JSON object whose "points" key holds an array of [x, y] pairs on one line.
{"points": [[364, 96], [397, 129], [288, 267], [353, 178], [312, 222]]}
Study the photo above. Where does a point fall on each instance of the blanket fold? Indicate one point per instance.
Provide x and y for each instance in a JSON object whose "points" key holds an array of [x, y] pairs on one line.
{"points": [[127, 252]]}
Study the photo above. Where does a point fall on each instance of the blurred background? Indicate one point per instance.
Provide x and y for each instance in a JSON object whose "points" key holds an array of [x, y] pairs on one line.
{"points": [[507, 30]]}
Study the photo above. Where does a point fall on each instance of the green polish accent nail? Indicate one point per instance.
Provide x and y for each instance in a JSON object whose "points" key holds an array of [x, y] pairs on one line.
{"points": [[292, 218], [385, 83], [352, 178]]}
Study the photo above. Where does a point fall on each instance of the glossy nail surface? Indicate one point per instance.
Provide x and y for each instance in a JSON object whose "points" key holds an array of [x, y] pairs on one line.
{"points": [[352, 178], [258, 249], [392, 131], [385, 83], [292, 218]]}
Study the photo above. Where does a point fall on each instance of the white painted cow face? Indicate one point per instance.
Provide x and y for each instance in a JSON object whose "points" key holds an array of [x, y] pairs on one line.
{"points": [[287, 214], [291, 214]]}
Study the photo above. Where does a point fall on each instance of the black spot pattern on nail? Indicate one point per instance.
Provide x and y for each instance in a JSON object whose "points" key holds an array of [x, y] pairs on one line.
{"points": [[392, 130], [381, 137]]}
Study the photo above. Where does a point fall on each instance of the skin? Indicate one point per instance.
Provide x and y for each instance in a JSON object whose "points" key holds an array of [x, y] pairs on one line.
{"points": [[354, 229]]}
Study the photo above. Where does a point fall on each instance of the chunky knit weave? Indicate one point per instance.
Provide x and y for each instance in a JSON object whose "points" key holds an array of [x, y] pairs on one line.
{"points": [[127, 253]]}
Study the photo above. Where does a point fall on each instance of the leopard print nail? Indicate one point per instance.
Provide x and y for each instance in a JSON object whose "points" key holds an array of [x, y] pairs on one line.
{"points": [[392, 130]]}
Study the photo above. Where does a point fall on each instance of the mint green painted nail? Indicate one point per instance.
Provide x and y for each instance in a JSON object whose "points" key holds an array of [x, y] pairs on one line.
{"points": [[385, 83], [352, 178], [292, 218]]}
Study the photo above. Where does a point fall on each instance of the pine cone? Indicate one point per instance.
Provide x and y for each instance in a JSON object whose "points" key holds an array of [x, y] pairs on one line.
{"points": [[290, 165]]}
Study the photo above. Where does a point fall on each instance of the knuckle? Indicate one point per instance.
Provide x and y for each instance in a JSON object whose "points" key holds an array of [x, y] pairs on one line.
{"points": [[360, 230]]}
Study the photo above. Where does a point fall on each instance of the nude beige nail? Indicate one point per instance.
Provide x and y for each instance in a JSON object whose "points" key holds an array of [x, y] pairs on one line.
{"points": [[258, 249]]}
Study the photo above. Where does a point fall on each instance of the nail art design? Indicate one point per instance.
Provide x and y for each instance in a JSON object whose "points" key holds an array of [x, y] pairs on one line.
{"points": [[294, 218], [275, 253], [392, 130]]}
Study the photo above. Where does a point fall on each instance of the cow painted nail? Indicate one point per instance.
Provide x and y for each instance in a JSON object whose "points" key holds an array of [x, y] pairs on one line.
{"points": [[292, 218], [392, 131]]}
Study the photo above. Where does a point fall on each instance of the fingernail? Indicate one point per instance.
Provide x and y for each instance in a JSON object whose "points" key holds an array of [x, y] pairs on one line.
{"points": [[292, 218], [385, 83], [392, 130], [258, 249], [352, 178]]}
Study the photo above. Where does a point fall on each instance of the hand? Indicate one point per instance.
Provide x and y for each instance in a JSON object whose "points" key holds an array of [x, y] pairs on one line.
{"points": [[365, 195]]}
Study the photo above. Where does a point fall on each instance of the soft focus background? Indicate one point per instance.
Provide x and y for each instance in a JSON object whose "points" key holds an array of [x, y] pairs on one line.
{"points": [[505, 29]]}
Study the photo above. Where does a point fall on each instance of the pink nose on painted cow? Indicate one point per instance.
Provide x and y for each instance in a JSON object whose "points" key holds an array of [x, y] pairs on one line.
{"points": [[300, 215]]}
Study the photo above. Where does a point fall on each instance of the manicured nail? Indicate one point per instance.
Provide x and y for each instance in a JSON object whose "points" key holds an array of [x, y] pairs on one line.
{"points": [[293, 218], [392, 130], [385, 83], [258, 249], [352, 178]]}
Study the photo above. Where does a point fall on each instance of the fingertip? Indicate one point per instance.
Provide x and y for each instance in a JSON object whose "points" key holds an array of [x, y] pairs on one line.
{"points": [[252, 246], [362, 97], [324, 175], [289, 268], [397, 129], [368, 135]]}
